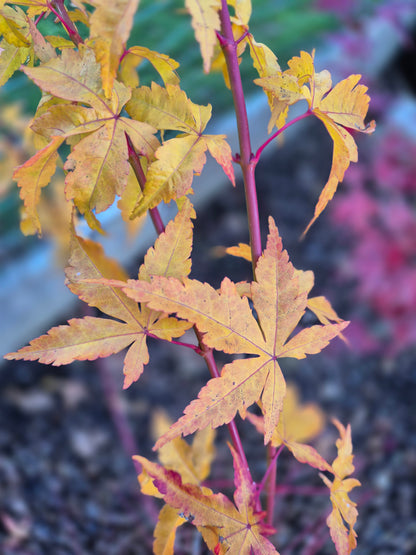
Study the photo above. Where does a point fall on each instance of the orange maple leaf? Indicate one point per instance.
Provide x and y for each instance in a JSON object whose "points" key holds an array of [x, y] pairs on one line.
{"points": [[241, 526], [90, 337], [226, 319]]}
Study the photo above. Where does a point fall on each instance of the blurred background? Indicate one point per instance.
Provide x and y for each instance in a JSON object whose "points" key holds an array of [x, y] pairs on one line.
{"points": [[66, 481]]}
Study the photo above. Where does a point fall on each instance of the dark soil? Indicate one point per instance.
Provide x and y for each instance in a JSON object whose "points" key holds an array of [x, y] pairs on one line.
{"points": [[67, 483]]}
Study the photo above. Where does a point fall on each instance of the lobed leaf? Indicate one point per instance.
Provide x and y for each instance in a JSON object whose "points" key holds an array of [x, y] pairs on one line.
{"points": [[193, 463], [340, 109], [75, 76], [35, 174], [170, 257], [228, 324], [90, 338], [111, 24], [343, 509], [168, 108], [171, 175], [205, 22], [296, 425], [241, 529], [164, 65]]}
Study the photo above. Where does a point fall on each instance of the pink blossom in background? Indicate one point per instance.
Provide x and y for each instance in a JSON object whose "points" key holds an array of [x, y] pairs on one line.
{"points": [[377, 212]]}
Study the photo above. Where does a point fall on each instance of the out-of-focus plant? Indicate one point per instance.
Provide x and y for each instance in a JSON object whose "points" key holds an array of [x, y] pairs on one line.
{"points": [[377, 212]]}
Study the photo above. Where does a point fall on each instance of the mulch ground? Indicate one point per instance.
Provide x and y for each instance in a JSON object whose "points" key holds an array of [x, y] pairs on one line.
{"points": [[67, 483]]}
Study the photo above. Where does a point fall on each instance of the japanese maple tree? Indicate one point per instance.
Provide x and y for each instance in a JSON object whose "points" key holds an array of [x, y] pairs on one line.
{"points": [[112, 138]]}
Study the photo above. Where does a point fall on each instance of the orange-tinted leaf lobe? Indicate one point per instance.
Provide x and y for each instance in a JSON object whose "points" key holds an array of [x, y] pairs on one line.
{"points": [[242, 530], [228, 324]]}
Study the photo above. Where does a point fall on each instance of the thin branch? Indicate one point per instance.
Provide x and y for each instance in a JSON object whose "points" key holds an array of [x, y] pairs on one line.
{"points": [[135, 163], [229, 47], [195, 348], [278, 132], [232, 427], [40, 17], [202, 350], [270, 469], [58, 8]]}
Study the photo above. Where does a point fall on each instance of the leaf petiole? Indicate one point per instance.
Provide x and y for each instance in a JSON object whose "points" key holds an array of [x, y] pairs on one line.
{"points": [[278, 132], [270, 468], [57, 7]]}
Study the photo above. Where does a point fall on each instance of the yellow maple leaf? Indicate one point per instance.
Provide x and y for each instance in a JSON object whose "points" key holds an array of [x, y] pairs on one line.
{"points": [[164, 65], [16, 46], [192, 462], [32, 176], [340, 108], [205, 22], [35, 7], [343, 509], [242, 250], [242, 9], [297, 424], [170, 176], [111, 24], [98, 165], [13, 26]]}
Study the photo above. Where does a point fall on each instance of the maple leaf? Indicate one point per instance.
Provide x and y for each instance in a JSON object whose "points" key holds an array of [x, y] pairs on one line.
{"points": [[242, 250], [340, 108], [11, 20], [242, 9], [240, 526], [35, 7], [16, 45], [98, 165], [297, 424], [320, 306], [44, 51], [279, 298], [35, 174], [111, 24], [192, 462], [74, 76], [177, 160], [343, 509], [205, 22], [90, 337], [323, 310], [132, 57]]}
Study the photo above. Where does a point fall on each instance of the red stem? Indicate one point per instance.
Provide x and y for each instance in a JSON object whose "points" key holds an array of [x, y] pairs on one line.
{"points": [[202, 350], [40, 17], [271, 469], [58, 8], [270, 139], [232, 427], [135, 163], [180, 343], [246, 161]]}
